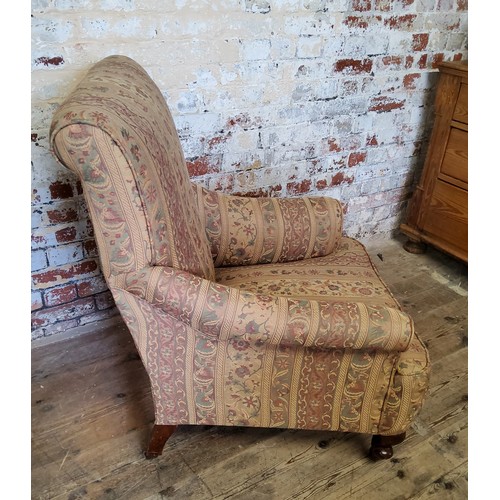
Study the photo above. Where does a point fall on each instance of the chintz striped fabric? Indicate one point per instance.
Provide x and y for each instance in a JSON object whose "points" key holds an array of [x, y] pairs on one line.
{"points": [[245, 311], [244, 230], [116, 124]]}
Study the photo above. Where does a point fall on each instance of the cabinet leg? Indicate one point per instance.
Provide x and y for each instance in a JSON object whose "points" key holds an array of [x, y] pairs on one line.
{"points": [[414, 246]]}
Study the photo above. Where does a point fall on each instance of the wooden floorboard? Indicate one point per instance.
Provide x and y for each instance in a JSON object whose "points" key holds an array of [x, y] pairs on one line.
{"points": [[92, 413]]}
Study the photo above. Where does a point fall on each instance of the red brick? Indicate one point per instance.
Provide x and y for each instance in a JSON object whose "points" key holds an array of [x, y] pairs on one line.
{"points": [[273, 190], [299, 187], [355, 66], [49, 61], [58, 216], [420, 41], [60, 190], [409, 80], [333, 146], [91, 286], [361, 5], [382, 104], [215, 141], [38, 322], [392, 60], [64, 273], [356, 158], [356, 22], [462, 5], [436, 59], [203, 165], [90, 248], [458, 57], [341, 178], [409, 61], [422, 62], [38, 239], [371, 140], [66, 235], [60, 295], [321, 184], [401, 22]]}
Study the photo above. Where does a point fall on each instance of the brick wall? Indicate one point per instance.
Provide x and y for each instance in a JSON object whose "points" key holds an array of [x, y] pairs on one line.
{"points": [[277, 98]]}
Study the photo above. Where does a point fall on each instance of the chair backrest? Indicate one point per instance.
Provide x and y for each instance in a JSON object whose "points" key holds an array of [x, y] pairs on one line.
{"points": [[116, 133]]}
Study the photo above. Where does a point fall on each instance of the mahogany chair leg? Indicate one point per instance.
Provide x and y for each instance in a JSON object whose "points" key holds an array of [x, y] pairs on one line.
{"points": [[381, 448], [159, 436]]}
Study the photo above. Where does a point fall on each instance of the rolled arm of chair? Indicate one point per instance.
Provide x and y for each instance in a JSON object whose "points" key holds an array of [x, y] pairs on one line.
{"points": [[224, 313], [243, 230]]}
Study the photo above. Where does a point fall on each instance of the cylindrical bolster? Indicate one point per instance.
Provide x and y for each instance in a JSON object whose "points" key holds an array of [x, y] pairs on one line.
{"points": [[244, 230]]}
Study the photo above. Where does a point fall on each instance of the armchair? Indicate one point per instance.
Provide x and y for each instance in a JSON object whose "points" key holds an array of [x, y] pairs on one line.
{"points": [[245, 311]]}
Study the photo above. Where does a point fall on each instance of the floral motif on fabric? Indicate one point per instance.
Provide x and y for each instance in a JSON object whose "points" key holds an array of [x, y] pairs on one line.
{"points": [[118, 97], [305, 335], [244, 231]]}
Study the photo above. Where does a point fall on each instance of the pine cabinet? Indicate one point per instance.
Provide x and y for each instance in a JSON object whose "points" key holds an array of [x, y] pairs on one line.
{"points": [[438, 210]]}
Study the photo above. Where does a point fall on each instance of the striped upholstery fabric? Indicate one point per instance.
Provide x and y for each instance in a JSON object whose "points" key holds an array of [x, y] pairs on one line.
{"points": [[244, 231], [245, 311], [116, 121]]}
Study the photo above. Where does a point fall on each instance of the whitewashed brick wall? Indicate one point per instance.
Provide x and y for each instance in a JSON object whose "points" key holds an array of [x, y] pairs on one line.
{"points": [[279, 98]]}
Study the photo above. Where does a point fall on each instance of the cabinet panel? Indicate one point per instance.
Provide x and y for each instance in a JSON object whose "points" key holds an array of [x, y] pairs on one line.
{"points": [[455, 158], [461, 109], [447, 215], [438, 210]]}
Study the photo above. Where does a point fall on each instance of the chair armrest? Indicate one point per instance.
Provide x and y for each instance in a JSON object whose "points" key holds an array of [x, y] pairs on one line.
{"points": [[224, 313], [243, 230]]}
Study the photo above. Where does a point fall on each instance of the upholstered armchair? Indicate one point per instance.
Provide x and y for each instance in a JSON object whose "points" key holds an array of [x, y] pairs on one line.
{"points": [[245, 311]]}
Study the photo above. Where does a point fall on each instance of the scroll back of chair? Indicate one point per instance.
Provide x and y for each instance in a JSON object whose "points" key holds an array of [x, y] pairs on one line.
{"points": [[116, 133]]}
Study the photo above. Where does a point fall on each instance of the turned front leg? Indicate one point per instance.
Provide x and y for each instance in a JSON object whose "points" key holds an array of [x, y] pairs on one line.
{"points": [[159, 436], [381, 448]]}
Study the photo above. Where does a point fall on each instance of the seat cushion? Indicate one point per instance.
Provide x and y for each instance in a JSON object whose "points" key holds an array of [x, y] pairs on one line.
{"points": [[346, 275]]}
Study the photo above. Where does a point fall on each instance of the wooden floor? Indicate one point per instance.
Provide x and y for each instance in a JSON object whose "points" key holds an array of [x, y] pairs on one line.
{"points": [[92, 413]]}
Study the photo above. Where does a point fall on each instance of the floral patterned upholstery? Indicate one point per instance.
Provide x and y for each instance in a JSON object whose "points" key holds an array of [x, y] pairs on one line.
{"points": [[245, 311], [119, 136], [244, 230]]}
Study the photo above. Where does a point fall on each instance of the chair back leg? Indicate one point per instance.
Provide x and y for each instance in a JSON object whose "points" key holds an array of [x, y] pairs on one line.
{"points": [[159, 436]]}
